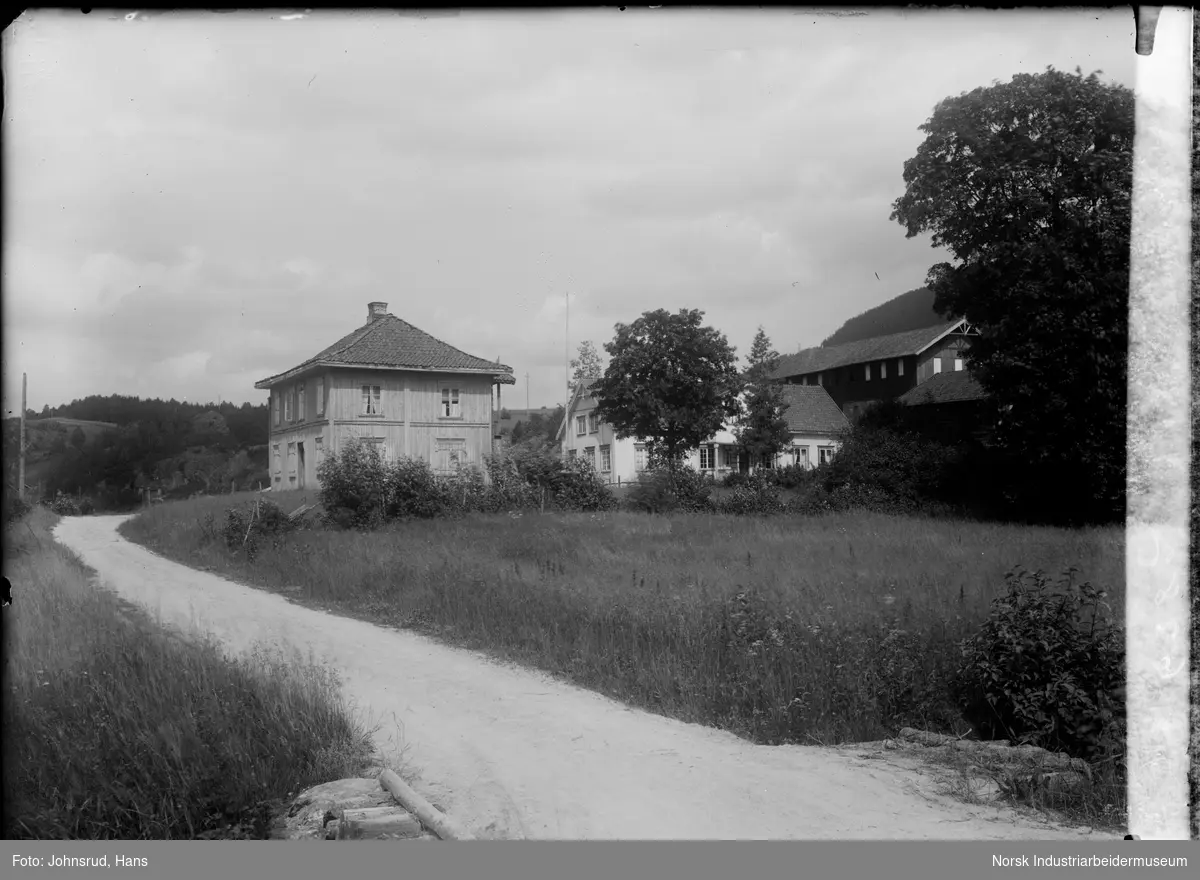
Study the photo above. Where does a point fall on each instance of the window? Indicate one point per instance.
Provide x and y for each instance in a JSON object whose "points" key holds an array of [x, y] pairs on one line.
{"points": [[300, 407], [370, 400], [589, 455], [937, 365], [320, 397], [800, 455], [899, 366], [957, 365], [639, 456], [731, 457], [319, 444], [707, 459], [275, 456], [287, 406], [883, 369], [275, 407], [451, 408], [818, 378], [580, 425], [292, 460], [451, 454], [572, 453], [867, 372], [593, 423], [824, 454], [606, 458]]}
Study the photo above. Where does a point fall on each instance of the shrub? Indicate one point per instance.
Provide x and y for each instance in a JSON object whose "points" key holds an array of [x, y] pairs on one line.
{"points": [[63, 505], [757, 498], [246, 525], [15, 507], [579, 487], [461, 492], [662, 490], [1046, 668], [411, 491], [354, 484], [793, 476]]}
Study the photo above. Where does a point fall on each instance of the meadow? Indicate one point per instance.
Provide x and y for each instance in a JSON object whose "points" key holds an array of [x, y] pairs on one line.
{"points": [[117, 729], [827, 629]]}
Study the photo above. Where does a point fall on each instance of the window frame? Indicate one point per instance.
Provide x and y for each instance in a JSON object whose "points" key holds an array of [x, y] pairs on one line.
{"points": [[321, 397], [825, 454], [301, 409], [450, 406], [287, 405], [276, 408], [606, 458], [883, 370], [581, 425], [371, 394], [639, 457], [958, 365], [706, 458], [866, 372], [899, 366], [593, 423]]}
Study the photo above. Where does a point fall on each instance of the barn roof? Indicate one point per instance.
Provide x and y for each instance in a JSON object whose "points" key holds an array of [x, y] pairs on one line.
{"points": [[908, 342], [390, 343], [952, 387]]}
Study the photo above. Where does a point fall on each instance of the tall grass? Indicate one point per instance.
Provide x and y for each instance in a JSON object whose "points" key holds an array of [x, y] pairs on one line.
{"points": [[785, 629], [115, 729]]}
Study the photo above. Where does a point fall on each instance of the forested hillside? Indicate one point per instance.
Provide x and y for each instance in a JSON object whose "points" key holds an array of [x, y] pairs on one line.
{"points": [[908, 311], [110, 448]]}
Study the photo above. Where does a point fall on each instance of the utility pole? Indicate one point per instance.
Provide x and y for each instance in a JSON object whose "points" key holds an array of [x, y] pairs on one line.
{"points": [[527, 395], [21, 464], [567, 352]]}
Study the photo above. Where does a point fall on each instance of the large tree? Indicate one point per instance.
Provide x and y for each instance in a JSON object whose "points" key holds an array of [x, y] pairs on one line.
{"points": [[762, 431], [1028, 185], [671, 382], [587, 365]]}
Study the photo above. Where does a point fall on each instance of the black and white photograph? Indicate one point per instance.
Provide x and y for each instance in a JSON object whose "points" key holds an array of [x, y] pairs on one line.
{"points": [[616, 423]]}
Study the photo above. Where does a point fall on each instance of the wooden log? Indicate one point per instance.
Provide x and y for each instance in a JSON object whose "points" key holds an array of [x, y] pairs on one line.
{"points": [[441, 824]]}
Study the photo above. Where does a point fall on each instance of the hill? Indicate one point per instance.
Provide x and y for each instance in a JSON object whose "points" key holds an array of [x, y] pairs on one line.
{"points": [[110, 448], [908, 311]]}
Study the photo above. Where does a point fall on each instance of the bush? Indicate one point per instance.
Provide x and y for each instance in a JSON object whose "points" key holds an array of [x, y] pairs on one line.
{"points": [[63, 505], [15, 507], [354, 485], [759, 498], [411, 491], [662, 490], [246, 525], [1047, 668], [793, 476]]}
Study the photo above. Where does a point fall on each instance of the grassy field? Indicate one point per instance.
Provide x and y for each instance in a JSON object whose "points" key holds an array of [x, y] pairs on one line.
{"points": [[788, 629], [115, 729]]}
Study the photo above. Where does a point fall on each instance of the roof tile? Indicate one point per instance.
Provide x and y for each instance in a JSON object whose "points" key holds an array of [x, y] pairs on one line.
{"points": [[388, 341]]}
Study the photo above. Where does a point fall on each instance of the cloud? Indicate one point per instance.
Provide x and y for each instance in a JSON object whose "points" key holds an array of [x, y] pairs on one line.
{"points": [[240, 187]]}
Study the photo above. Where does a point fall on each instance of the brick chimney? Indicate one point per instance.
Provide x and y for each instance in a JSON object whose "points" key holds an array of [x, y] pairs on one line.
{"points": [[376, 310]]}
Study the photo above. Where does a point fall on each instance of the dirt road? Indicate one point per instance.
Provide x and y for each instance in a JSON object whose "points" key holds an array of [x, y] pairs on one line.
{"points": [[512, 753]]}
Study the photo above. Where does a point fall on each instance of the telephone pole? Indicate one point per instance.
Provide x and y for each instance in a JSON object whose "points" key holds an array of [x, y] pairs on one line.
{"points": [[527, 395], [21, 464]]}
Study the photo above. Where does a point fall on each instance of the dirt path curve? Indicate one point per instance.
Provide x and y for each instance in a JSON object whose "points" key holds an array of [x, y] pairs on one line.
{"points": [[512, 753]]}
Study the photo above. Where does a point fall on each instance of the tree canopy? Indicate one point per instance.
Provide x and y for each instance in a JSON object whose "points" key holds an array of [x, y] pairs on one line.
{"points": [[1028, 185], [671, 382], [587, 365]]}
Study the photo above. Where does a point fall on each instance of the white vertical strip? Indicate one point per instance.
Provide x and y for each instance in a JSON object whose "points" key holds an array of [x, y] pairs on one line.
{"points": [[1157, 611]]}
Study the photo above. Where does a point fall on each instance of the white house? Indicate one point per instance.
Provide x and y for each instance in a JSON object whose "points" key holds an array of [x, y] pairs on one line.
{"points": [[814, 421]]}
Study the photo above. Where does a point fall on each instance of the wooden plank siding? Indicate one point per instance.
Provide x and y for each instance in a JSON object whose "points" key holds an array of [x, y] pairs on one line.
{"points": [[410, 421]]}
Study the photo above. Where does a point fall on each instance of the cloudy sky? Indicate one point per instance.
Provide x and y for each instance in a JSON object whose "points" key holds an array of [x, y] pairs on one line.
{"points": [[198, 201]]}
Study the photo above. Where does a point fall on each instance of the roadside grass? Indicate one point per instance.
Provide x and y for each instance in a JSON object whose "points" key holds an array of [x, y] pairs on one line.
{"points": [[839, 628], [118, 729]]}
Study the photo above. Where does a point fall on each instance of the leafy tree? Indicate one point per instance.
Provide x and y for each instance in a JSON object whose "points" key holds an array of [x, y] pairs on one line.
{"points": [[78, 438], [1028, 185], [672, 382], [762, 431], [587, 365]]}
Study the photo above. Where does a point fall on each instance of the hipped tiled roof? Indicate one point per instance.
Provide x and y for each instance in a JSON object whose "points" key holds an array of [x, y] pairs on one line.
{"points": [[908, 342], [387, 341], [952, 387], [812, 411]]}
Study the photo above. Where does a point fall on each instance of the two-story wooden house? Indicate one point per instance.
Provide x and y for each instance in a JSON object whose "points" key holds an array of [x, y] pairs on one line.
{"points": [[388, 383], [859, 374]]}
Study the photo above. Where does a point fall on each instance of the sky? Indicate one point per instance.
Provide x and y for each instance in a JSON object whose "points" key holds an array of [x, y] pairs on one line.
{"points": [[197, 201]]}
